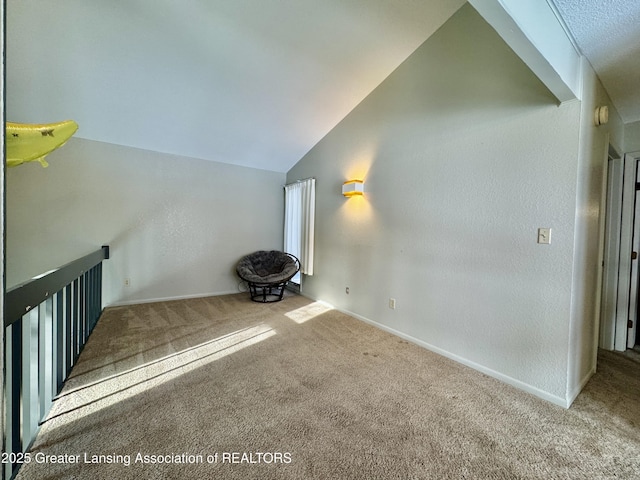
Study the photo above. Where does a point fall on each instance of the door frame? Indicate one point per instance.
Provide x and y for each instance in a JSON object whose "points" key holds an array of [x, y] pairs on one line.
{"points": [[610, 224], [618, 324], [633, 286]]}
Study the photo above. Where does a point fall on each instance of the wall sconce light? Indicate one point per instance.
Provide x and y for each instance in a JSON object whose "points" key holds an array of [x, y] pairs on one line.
{"points": [[352, 187], [601, 115]]}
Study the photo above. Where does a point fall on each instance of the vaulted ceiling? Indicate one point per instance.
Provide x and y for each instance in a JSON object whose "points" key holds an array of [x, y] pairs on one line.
{"points": [[249, 82]]}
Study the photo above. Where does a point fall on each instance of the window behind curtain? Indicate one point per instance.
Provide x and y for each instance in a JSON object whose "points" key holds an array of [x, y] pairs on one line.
{"points": [[299, 219]]}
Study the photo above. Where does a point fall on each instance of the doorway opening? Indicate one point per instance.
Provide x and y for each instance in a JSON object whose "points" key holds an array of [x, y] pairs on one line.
{"points": [[620, 301]]}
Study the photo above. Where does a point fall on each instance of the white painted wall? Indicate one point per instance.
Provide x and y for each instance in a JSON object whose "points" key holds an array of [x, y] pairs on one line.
{"points": [[176, 226], [589, 222], [632, 137], [465, 154]]}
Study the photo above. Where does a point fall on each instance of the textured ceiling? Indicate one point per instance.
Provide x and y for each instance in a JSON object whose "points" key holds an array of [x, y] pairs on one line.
{"points": [[608, 34], [248, 82]]}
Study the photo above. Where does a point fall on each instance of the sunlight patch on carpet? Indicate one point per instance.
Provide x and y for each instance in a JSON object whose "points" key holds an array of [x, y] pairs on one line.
{"points": [[306, 313], [88, 399]]}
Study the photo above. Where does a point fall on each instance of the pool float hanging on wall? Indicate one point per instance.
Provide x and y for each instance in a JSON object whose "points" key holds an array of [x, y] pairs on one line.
{"points": [[28, 142]]}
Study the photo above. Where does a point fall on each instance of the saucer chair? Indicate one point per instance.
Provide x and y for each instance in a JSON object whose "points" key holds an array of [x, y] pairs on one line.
{"points": [[267, 273]]}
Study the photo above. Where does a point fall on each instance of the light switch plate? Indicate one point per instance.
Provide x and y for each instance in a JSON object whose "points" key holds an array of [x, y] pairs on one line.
{"points": [[544, 236]]}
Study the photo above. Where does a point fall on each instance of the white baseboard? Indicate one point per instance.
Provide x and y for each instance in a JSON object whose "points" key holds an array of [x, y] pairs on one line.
{"points": [[166, 299], [562, 402]]}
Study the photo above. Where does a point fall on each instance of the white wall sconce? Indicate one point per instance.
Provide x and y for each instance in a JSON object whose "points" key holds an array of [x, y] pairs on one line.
{"points": [[601, 115], [352, 188]]}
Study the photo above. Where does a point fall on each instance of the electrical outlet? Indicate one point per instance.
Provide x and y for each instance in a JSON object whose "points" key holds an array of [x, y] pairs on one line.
{"points": [[392, 303], [127, 282]]}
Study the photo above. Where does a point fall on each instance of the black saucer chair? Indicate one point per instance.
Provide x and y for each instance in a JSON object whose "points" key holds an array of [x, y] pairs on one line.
{"points": [[267, 273]]}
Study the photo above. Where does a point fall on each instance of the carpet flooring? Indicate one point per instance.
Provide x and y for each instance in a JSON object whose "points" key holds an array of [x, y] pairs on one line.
{"points": [[225, 388]]}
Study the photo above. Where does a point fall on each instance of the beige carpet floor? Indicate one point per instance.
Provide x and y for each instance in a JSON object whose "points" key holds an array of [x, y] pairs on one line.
{"points": [[224, 388]]}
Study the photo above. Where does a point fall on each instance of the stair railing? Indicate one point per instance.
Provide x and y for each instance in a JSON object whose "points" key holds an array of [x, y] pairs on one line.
{"points": [[47, 323]]}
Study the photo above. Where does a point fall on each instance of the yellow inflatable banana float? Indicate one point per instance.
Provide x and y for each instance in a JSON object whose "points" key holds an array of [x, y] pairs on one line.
{"points": [[27, 142]]}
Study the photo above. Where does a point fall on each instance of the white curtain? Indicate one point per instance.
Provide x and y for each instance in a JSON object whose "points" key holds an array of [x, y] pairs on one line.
{"points": [[299, 219]]}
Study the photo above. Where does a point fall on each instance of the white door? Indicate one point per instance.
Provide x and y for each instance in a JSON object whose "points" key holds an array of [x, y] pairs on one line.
{"points": [[625, 286], [633, 292], [611, 254]]}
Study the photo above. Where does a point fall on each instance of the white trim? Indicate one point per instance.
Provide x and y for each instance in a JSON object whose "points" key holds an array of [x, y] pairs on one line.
{"points": [[562, 402], [626, 234], [168, 299], [532, 29], [563, 24], [609, 239], [633, 282]]}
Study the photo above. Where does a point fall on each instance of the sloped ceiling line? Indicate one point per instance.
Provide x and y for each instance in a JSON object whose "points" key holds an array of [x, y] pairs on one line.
{"points": [[249, 82]]}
